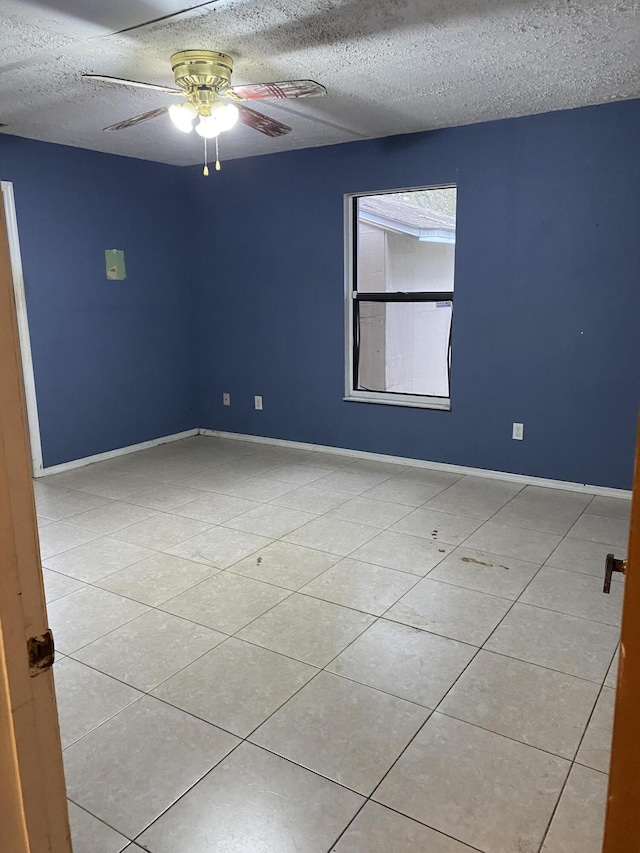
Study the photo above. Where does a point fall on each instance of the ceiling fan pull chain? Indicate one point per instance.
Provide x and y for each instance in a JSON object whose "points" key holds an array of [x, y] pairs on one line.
{"points": [[205, 171], [217, 158]]}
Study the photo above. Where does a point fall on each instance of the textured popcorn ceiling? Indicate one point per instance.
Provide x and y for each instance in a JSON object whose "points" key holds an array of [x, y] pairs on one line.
{"points": [[390, 66]]}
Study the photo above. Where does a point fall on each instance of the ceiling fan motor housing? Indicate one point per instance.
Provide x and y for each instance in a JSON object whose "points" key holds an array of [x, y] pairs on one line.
{"points": [[196, 68]]}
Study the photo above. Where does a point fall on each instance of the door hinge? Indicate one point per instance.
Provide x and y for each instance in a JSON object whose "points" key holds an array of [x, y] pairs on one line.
{"points": [[41, 652], [612, 565]]}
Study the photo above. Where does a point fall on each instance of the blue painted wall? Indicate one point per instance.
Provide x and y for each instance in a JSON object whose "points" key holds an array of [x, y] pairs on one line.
{"points": [[114, 361], [546, 323], [547, 313]]}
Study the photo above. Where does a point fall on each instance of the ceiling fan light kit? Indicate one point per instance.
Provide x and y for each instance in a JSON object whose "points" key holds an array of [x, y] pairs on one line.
{"points": [[183, 116], [213, 106], [222, 117]]}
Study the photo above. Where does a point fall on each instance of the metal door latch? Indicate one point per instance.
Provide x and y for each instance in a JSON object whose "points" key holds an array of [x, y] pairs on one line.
{"points": [[41, 652], [612, 565]]}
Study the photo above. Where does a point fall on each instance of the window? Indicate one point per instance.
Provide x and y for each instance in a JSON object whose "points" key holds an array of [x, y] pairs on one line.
{"points": [[400, 268]]}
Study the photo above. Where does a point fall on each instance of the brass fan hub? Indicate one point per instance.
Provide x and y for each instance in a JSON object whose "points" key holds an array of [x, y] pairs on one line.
{"points": [[195, 68]]}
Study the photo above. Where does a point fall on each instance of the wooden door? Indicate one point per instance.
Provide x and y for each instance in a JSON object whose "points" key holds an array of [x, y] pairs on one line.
{"points": [[622, 827], [33, 809]]}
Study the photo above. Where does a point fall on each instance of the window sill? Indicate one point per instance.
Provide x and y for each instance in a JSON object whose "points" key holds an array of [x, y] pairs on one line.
{"points": [[438, 403]]}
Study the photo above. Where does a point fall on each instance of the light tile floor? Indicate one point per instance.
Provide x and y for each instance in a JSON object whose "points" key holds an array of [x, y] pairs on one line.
{"points": [[268, 649]]}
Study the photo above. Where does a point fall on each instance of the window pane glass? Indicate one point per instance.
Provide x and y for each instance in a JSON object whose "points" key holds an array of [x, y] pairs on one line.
{"points": [[406, 241], [404, 347]]}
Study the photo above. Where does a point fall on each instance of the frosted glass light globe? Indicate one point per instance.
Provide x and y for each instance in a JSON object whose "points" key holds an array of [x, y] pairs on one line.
{"points": [[182, 115]]}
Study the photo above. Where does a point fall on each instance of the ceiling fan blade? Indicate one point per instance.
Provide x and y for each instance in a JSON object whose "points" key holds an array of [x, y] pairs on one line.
{"points": [[285, 89], [104, 78], [132, 122], [261, 122]]}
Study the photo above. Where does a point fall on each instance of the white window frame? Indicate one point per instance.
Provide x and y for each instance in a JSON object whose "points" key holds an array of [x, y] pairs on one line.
{"points": [[355, 395]]}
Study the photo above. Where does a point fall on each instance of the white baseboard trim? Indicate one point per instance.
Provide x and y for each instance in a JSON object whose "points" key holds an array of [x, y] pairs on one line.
{"points": [[112, 454], [585, 488], [526, 480]]}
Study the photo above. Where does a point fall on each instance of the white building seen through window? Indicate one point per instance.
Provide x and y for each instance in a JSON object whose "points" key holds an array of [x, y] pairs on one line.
{"points": [[401, 253]]}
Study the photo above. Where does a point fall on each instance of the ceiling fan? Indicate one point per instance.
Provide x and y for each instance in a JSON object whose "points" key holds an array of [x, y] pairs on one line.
{"points": [[212, 104]]}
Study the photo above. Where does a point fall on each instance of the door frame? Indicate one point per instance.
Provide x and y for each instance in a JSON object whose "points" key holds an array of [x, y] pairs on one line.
{"points": [[22, 318], [622, 824]]}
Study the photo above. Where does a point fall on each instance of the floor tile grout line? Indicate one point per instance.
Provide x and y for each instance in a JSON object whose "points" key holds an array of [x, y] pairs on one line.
{"points": [[170, 511], [104, 577], [383, 615], [455, 548], [266, 473], [95, 582], [201, 624], [151, 693], [112, 630], [104, 822], [413, 819], [95, 817], [148, 693], [145, 694], [344, 830], [241, 742], [418, 578], [577, 763], [285, 703], [389, 770], [226, 637], [318, 597], [325, 514], [563, 612], [97, 538], [324, 668], [411, 740], [184, 793], [257, 452], [539, 665], [436, 495], [350, 496], [177, 616], [152, 514], [451, 688], [242, 739], [499, 734], [514, 601], [339, 558], [214, 525], [573, 763], [603, 686], [555, 809]]}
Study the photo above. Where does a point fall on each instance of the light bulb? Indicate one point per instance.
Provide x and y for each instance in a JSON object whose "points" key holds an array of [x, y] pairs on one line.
{"points": [[228, 116], [182, 115], [208, 126], [223, 117]]}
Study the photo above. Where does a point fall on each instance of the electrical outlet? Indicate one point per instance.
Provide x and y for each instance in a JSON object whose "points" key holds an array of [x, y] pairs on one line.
{"points": [[518, 432], [258, 403], [226, 399]]}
